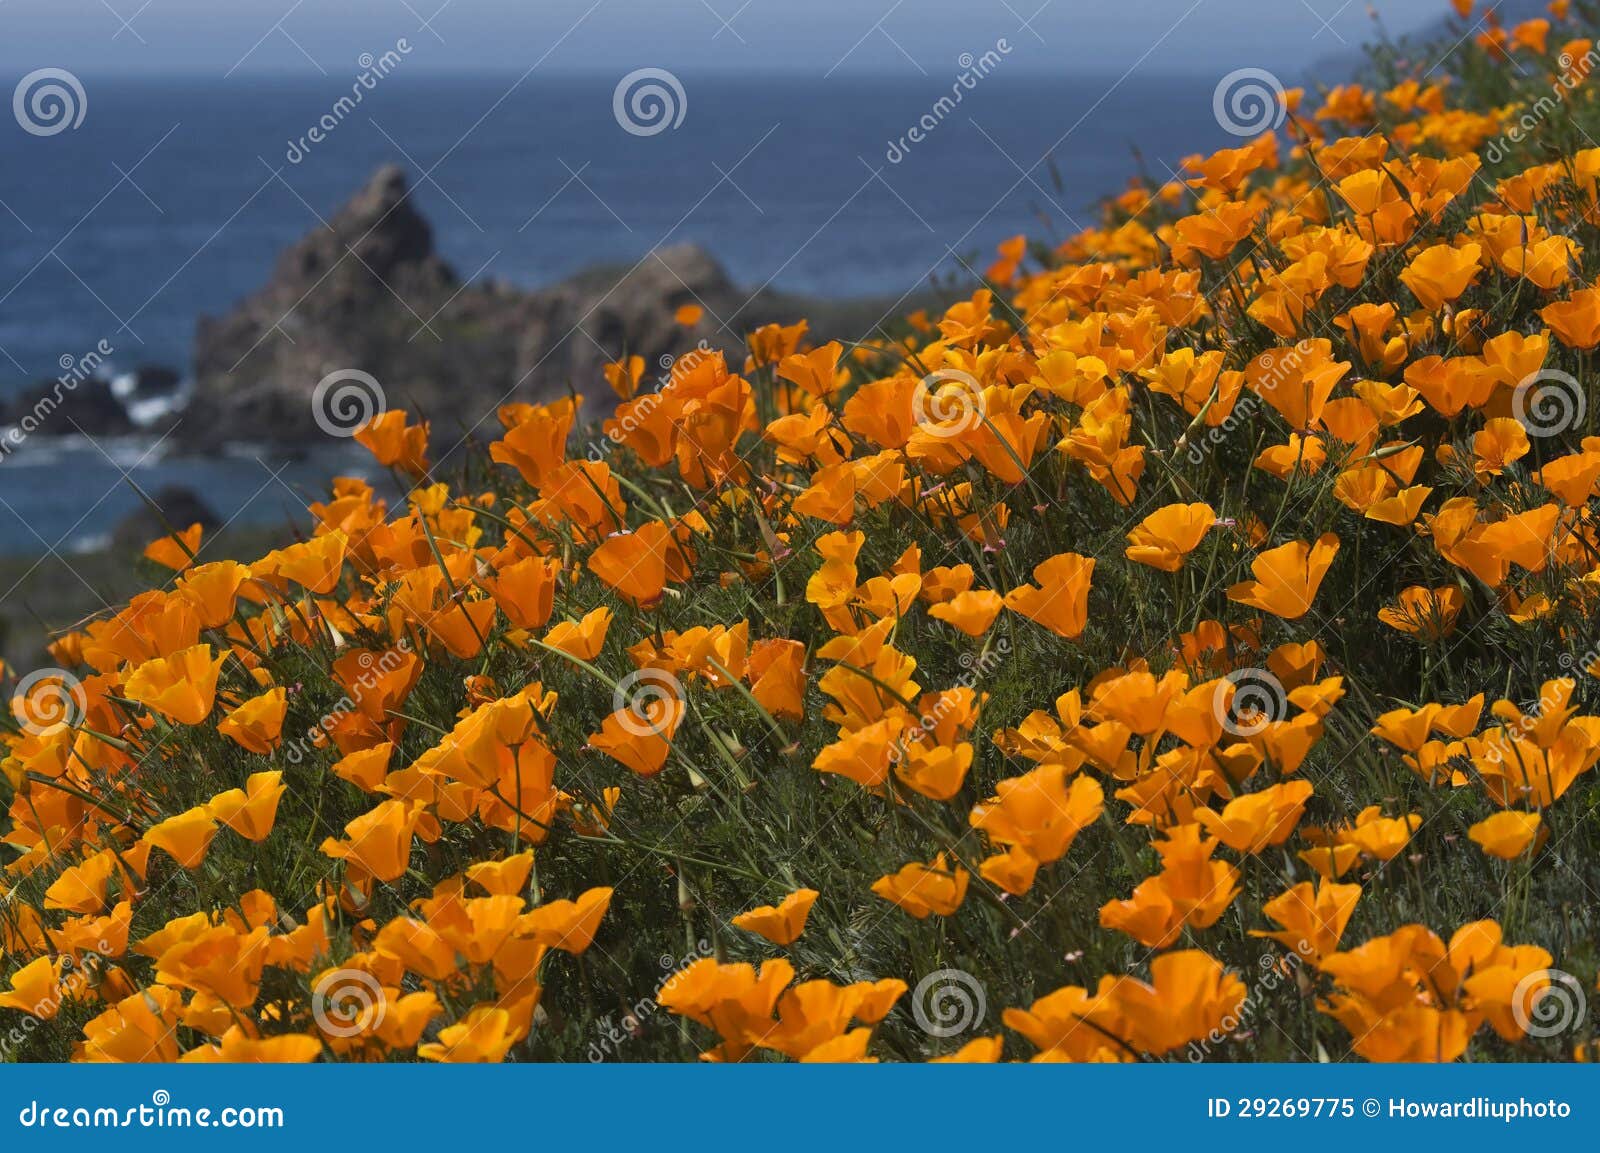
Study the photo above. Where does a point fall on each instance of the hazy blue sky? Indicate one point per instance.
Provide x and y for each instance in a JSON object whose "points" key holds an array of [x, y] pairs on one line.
{"points": [[859, 36]]}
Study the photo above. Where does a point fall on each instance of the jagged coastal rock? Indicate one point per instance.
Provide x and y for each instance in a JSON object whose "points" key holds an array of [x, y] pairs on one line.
{"points": [[67, 407], [178, 507], [370, 292]]}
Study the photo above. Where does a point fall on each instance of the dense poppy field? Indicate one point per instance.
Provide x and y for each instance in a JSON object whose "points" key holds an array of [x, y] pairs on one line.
{"points": [[1179, 649]]}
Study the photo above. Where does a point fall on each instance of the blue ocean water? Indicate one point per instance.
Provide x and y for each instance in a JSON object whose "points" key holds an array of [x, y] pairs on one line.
{"points": [[173, 198]]}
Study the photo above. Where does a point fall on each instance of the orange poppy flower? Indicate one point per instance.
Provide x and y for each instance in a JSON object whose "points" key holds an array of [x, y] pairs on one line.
{"points": [[1256, 821], [1060, 600], [185, 837], [483, 1036], [1164, 538], [213, 590], [105, 936], [1439, 274], [81, 888], [176, 552], [1302, 454], [770, 343], [1571, 478], [639, 735], [776, 672], [1041, 812], [1191, 889], [583, 638], [237, 1048], [525, 591], [732, 999], [1313, 917], [816, 371], [567, 925], [396, 444], [503, 878], [257, 724], [639, 565], [378, 683], [1428, 614], [1576, 320], [182, 687], [865, 754], [782, 923], [379, 840], [923, 890], [624, 376], [365, 768], [935, 771], [142, 1027], [1507, 834], [253, 810], [314, 564], [1188, 996], [535, 443], [971, 612], [1297, 381], [1379, 836], [1499, 443], [1287, 577], [1004, 270], [36, 989]]}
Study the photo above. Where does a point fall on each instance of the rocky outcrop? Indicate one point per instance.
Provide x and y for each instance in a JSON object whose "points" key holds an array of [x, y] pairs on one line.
{"points": [[67, 408], [369, 292], [175, 509]]}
